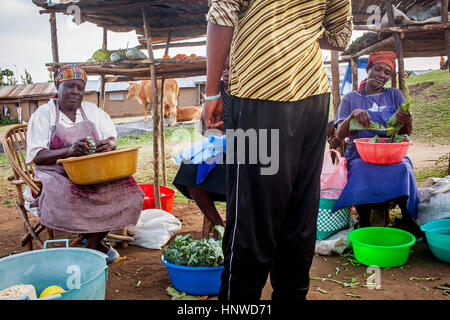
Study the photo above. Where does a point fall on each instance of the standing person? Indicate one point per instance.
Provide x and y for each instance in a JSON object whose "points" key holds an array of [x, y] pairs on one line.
{"points": [[279, 86], [213, 186]]}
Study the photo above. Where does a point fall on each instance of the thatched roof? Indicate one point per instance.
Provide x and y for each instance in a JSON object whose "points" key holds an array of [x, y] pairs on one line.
{"points": [[425, 40], [185, 18], [359, 8]]}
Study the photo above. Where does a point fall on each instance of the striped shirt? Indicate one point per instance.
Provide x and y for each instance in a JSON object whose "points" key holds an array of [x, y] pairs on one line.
{"points": [[275, 53]]}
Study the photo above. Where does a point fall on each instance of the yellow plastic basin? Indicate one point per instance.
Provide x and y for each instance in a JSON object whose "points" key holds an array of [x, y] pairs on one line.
{"points": [[101, 167]]}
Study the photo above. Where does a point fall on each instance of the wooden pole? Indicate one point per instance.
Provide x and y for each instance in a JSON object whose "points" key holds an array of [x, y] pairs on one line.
{"points": [[163, 151], [155, 115], [163, 144], [169, 37], [445, 5], [398, 48], [335, 80], [105, 39], [368, 50], [394, 80], [355, 74], [102, 98], [54, 35]]}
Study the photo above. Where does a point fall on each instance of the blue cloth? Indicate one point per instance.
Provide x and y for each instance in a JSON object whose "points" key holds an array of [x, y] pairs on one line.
{"points": [[206, 153], [203, 170], [199, 152], [347, 82], [374, 183]]}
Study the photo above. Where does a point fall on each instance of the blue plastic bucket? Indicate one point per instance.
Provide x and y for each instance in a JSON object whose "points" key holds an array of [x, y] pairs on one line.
{"points": [[199, 281], [437, 233], [81, 272]]}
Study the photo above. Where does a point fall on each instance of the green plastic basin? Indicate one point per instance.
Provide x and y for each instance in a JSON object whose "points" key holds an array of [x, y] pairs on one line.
{"points": [[381, 246]]}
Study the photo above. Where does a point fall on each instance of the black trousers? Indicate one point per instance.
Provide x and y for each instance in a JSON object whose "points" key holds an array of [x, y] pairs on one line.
{"points": [[272, 219]]}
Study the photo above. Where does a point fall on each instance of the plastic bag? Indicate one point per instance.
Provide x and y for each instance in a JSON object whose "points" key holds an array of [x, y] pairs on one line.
{"points": [[434, 201], [337, 243], [333, 176], [154, 228]]}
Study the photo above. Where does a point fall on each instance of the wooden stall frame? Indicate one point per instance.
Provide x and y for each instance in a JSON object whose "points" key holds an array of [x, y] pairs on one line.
{"points": [[147, 71]]}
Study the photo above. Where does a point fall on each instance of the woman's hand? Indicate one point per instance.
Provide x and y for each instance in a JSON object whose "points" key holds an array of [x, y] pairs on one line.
{"points": [[404, 118], [106, 145], [362, 116], [79, 148], [211, 115]]}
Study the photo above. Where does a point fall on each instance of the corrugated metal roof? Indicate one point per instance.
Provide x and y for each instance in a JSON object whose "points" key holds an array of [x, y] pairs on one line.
{"points": [[27, 90], [21, 91]]}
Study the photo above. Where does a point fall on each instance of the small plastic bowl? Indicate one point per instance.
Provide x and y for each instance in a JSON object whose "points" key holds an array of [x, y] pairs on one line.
{"points": [[198, 281], [437, 233], [167, 197], [382, 152], [381, 246]]}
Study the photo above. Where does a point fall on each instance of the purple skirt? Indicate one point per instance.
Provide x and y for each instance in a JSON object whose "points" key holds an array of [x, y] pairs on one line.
{"points": [[86, 209]]}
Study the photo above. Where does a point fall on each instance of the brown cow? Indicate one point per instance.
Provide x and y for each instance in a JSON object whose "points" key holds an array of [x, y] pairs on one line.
{"points": [[143, 93], [186, 113]]}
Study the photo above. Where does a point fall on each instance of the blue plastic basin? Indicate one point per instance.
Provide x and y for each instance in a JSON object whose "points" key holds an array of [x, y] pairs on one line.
{"points": [[81, 272], [199, 281], [437, 233]]}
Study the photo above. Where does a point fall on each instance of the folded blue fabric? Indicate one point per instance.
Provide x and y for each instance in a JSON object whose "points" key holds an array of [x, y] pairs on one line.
{"points": [[203, 170], [219, 141], [201, 151]]}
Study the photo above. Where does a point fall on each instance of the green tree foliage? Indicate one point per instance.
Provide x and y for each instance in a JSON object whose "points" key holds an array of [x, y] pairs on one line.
{"points": [[26, 79], [7, 78]]}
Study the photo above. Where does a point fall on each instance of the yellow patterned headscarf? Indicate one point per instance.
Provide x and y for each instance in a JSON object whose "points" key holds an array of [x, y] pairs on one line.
{"points": [[70, 72]]}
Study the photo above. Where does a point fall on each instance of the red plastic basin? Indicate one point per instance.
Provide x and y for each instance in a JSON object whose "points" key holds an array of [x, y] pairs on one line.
{"points": [[167, 197], [381, 153]]}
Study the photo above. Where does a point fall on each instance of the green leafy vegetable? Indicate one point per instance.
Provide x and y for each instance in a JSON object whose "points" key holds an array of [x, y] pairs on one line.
{"points": [[355, 125], [177, 295], [392, 121], [399, 138], [91, 145], [392, 125], [375, 139], [186, 251]]}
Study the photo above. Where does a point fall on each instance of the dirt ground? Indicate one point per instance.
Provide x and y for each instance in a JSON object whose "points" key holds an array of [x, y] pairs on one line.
{"points": [[143, 266]]}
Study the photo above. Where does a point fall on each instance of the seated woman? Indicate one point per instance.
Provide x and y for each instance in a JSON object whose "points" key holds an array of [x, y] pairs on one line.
{"points": [[372, 186], [213, 187], [58, 130]]}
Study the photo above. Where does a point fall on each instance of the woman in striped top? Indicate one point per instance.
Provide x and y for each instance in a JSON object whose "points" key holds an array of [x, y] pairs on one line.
{"points": [[278, 86]]}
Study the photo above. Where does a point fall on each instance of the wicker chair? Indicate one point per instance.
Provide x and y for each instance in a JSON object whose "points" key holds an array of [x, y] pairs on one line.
{"points": [[15, 144]]}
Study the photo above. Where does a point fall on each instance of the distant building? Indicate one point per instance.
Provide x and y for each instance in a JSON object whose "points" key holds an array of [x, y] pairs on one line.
{"points": [[20, 101]]}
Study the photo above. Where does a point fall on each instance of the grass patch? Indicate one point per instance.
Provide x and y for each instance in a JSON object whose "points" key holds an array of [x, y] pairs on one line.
{"points": [[175, 139], [438, 171], [171, 136], [422, 175], [431, 116]]}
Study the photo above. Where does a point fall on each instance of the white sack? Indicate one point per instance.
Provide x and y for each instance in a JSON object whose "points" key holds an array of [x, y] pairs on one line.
{"points": [[434, 201], [154, 228]]}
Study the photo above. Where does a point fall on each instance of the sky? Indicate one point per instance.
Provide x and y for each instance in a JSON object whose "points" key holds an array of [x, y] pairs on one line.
{"points": [[26, 42]]}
